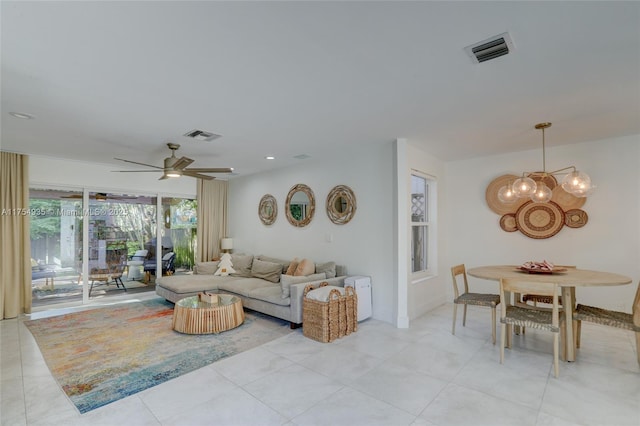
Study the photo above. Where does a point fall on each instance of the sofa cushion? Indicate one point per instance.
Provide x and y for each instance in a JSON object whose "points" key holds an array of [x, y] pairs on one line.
{"points": [[329, 268], [203, 268], [270, 294], [305, 267], [244, 286], [266, 270], [283, 262], [287, 280], [192, 283], [242, 265]]}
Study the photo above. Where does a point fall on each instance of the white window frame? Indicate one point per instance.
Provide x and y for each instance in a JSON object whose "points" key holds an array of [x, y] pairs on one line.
{"points": [[429, 223]]}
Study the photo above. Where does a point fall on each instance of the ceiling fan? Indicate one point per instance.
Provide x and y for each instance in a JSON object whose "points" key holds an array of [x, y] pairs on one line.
{"points": [[176, 167]]}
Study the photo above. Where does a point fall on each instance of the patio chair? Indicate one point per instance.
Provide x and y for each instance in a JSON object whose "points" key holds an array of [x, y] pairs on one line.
{"points": [[466, 298], [113, 273], [168, 267], [610, 318]]}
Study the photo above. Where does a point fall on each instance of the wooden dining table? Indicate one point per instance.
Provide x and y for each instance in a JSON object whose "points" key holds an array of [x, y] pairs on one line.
{"points": [[568, 280]]}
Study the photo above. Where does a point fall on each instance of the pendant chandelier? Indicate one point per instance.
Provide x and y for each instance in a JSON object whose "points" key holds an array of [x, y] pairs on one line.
{"points": [[532, 184]]}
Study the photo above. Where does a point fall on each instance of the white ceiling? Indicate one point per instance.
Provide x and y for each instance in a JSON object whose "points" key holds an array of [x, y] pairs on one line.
{"points": [[326, 79]]}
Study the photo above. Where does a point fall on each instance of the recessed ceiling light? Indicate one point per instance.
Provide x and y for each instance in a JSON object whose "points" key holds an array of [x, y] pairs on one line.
{"points": [[301, 156], [22, 115], [269, 157]]}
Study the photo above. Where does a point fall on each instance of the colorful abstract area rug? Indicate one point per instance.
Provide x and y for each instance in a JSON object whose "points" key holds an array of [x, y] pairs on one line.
{"points": [[102, 355]]}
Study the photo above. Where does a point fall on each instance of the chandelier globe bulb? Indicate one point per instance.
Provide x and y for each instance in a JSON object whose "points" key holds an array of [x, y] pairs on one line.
{"points": [[577, 183], [506, 194], [542, 194], [524, 187]]}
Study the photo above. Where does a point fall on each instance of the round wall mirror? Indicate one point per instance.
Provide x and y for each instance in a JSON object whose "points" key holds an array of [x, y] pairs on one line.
{"points": [[268, 209], [341, 204], [300, 205]]}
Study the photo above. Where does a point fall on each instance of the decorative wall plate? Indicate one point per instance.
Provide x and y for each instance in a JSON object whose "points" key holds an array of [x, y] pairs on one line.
{"points": [[540, 220], [508, 222], [492, 196], [565, 200], [575, 218]]}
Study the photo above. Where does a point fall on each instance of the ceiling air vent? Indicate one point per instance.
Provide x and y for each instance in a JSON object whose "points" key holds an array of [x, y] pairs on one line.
{"points": [[490, 48], [201, 135]]}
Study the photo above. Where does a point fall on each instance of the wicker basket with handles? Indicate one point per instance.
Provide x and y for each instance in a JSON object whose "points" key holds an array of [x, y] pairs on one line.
{"points": [[326, 321]]}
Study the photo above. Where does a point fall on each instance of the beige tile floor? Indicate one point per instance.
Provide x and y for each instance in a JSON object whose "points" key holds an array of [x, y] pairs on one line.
{"points": [[378, 376]]}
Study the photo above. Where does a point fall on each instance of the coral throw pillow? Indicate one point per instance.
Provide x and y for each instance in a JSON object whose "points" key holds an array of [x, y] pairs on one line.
{"points": [[292, 267], [305, 267]]}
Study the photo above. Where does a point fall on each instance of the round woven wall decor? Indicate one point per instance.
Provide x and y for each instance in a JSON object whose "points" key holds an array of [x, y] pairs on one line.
{"points": [[341, 204], [268, 209], [508, 222], [540, 220], [549, 180], [300, 205], [575, 218], [491, 195], [565, 200]]}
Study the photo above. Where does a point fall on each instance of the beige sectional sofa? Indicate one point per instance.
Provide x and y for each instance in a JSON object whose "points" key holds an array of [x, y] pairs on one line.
{"points": [[260, 282]]}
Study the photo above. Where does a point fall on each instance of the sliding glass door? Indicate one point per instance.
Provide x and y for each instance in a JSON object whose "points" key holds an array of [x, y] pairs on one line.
{"points": [[119, 256], [179, 230], [56, 246], [121, 230]]}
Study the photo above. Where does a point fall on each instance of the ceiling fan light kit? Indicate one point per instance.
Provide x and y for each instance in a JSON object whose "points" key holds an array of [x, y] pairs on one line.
{"points": [[175, 167], [533, 186]]}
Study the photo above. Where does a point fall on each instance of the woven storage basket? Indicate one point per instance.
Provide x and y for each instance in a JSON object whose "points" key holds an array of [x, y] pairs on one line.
{"points": [[330, 320]]}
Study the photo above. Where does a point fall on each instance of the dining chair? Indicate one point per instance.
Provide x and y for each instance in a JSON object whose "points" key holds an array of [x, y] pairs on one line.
{"points": [[610, 318], [529, 316], [466, 298], [539, 298]]}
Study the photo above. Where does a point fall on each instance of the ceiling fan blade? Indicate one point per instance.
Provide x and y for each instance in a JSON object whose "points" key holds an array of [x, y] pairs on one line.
{"points": [[163, 177], [209, 170], [182, 163], [142, 164], [196, 175], [137, 171]]}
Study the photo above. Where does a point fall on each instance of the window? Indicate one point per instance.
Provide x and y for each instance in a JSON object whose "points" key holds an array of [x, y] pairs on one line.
{"points": [[421, 222]]}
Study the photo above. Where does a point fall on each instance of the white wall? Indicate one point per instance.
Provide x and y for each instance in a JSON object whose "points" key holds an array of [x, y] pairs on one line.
{"points": [[46, 171], [364, 245], [610, 241]]}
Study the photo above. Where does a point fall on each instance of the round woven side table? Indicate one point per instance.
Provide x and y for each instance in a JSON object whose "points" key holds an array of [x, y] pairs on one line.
{"points": [[193, 316]]}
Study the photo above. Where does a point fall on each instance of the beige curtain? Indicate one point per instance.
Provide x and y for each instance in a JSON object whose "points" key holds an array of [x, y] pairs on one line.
{"points": [[212, 218], [15, 244]]}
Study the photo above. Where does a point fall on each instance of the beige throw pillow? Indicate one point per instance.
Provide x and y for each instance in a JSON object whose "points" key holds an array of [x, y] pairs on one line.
{"points": [[305, 267], [242, 265], [205, 268], [328, 268], [287, 280], [292, 267], [284, 263], [266, 270]]}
